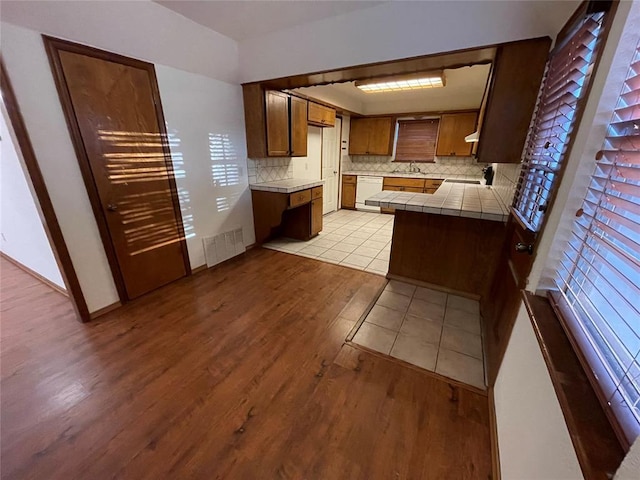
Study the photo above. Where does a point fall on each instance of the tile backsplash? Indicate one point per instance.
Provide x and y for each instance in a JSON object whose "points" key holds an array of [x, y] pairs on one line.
{"points": [[505, 180], [269, 169], [449, 166]]}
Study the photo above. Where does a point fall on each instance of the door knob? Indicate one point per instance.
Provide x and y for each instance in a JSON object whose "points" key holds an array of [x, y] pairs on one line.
{"points": [[335, 171], [524, 248], [112, 207]]}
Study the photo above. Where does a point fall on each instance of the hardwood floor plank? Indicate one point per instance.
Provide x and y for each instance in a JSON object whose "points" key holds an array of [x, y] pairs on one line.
{"points": [[237, 372]]}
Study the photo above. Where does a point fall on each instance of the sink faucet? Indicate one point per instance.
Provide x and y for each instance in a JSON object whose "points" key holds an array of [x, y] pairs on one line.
{"points": [[413, 168]]}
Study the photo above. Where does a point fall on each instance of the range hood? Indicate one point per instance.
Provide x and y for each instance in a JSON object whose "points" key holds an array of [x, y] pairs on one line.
{"points": [[474, 137]]}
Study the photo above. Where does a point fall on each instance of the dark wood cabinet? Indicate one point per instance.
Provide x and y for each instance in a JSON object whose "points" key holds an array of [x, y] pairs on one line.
{"points": [[515, 82], [349, 192], [277, 118], [321, 116], [275, 123], [371, 136], [453, 128]]}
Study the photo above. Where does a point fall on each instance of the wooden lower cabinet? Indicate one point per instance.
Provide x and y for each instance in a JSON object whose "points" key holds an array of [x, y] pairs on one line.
{"points": [[316, 216], [295, 215], [349, 191], [403, 184]]}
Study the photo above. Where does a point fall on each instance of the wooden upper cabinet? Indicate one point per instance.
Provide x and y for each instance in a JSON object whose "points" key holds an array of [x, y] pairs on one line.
{"points": [[321, 116], [515, 82], [371, 136], [299, 127], [275, 123], [277, 119], [453, 128]]}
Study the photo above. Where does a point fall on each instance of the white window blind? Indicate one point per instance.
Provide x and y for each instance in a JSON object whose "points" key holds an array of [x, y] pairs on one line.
{"points": [[599, 275], [565, 85]]}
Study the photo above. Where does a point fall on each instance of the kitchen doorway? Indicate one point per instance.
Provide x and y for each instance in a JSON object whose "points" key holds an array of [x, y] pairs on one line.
{"points": [[113, 111], [330, 165]]}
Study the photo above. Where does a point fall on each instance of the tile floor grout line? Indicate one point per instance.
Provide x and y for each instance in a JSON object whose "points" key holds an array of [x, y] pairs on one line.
{"points": [[446, 301]]}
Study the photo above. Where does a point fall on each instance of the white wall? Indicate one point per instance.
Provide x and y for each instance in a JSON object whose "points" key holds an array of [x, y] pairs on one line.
{"points": [[172, 41], [309, 167], [140, 29], [22, 235], [631, 463], [533, 438], [206, 126], [396, 30]]}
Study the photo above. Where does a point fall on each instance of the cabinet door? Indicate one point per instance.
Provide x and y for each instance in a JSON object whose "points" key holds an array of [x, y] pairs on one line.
{"points": [[316, 216], [299, 127], [321, 116], [277, 118], [453, 128], [381, 132], [359, 136], [348, 195]]}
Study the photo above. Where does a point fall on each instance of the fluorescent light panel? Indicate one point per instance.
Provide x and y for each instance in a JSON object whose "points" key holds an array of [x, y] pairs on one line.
{"points": [[399, 83]]}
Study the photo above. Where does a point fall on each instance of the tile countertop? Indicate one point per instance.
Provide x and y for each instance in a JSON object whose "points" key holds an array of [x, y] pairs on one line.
{"points": [[454, 199], [440, 176], [286, 186]]}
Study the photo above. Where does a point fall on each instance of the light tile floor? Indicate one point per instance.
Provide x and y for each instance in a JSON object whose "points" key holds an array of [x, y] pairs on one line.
{"points": [[360, 240], [427, 328]]}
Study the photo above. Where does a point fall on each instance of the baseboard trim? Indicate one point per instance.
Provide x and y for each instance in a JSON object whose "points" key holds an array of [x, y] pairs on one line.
{"points": [[199, 269], [493, 434], [104, 310], [35, 274]]}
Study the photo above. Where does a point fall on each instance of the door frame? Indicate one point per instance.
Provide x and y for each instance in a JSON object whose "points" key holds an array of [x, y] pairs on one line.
{"points": [[45, 206], [53, 46]]}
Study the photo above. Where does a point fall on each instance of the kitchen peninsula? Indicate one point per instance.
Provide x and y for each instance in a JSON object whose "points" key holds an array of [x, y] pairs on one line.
{"points": [[450, 239]]}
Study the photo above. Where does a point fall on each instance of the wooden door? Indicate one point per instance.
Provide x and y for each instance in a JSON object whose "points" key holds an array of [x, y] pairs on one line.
{"points": [[277, 119], [299, 127], [330, 161], [113, 111]]}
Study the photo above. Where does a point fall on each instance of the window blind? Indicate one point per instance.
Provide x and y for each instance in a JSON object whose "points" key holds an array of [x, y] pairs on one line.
{"points": [[417, 140], [599, 275], [565, 85]]}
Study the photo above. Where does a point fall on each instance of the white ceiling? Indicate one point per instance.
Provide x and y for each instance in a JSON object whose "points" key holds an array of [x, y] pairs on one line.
{"points": [[463, 90], [242, 19]]}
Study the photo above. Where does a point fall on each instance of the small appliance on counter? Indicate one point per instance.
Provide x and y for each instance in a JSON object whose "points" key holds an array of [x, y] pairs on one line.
{"points": [[487, 173]]}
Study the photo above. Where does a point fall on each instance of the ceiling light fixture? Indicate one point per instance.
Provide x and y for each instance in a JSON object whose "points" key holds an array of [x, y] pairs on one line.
{"points": [[405, 82]]}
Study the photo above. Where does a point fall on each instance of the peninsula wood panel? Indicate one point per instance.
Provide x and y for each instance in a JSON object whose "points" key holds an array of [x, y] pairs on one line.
{"points": [[196, 381], [457, 253]]}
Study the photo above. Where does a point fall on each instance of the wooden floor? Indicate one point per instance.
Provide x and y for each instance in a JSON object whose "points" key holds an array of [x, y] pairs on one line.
{"points": [[239, 372]]}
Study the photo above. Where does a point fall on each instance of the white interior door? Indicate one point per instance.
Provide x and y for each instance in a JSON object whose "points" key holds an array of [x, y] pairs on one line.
{"points": [[330, 159]]}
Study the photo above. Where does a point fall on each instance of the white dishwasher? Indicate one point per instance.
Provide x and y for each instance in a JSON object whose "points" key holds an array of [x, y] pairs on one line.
{"points": [[367, 187]]}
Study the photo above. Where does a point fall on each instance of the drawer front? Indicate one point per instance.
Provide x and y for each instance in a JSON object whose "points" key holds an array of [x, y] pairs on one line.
{"points": [[299, 198], [430, 190], [349, 179], [403, 182], [316, 192], [432, 183]]}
